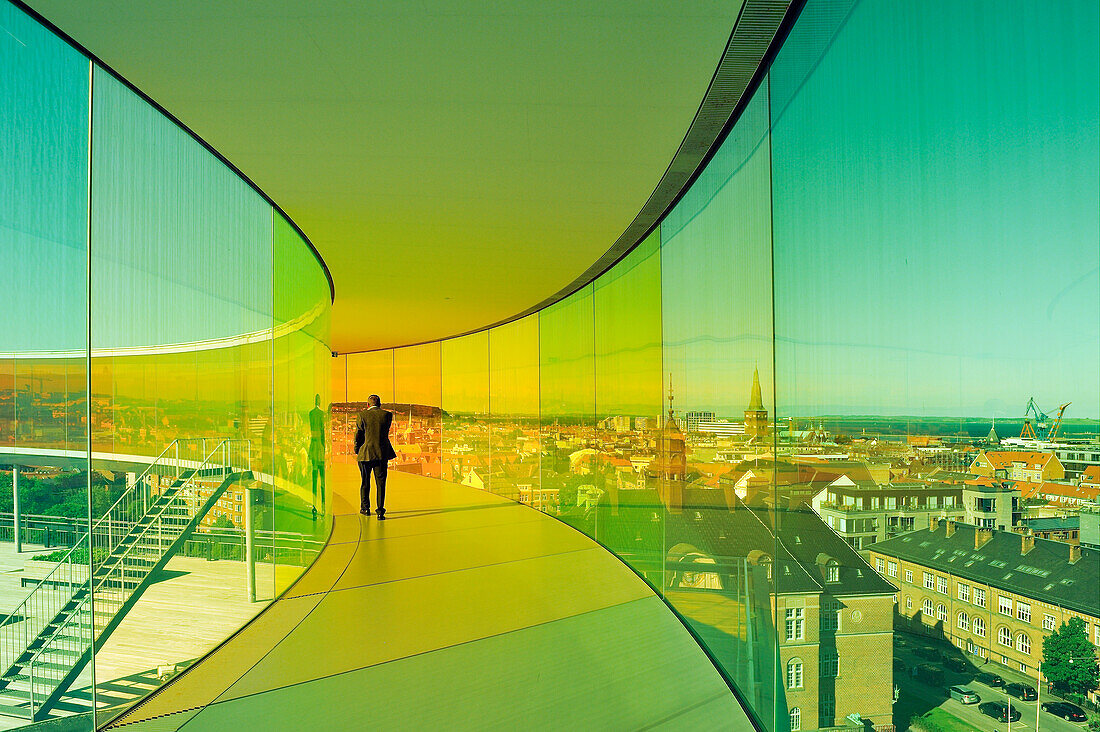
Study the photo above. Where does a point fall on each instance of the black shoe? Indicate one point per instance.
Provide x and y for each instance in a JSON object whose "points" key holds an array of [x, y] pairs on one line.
{"points": [[381, 517], [366, 512]]}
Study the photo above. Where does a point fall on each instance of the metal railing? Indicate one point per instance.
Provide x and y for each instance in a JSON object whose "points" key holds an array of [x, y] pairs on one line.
{"points": [[49, 634]]}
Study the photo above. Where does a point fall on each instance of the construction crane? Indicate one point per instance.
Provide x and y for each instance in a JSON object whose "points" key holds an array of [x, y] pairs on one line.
{"points": [[1058, 422], [1041, 418]]}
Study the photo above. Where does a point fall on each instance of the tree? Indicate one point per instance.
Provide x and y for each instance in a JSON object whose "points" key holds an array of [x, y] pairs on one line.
{"points": [[1069, 660]]}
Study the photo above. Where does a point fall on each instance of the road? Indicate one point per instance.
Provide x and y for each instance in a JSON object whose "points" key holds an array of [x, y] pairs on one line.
{"points": [[932, 696]]}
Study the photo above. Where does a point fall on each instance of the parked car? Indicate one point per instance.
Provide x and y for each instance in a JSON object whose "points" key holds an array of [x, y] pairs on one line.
{"points": [[1021, 691], [991, 680], [1065, 710], [955, 663], [900, 665], [963, 694], [927, 652], [929, 674], [999, 711]]}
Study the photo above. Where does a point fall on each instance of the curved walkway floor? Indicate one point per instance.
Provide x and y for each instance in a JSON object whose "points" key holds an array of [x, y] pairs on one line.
{"points": [[462, 610]]}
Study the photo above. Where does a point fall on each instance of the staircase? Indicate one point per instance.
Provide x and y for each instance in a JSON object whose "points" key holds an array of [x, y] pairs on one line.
{"points": [[48, 639]]}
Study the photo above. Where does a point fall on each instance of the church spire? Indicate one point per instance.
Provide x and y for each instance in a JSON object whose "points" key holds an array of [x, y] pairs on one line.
{"points": [[756, 403], [670, 397]]}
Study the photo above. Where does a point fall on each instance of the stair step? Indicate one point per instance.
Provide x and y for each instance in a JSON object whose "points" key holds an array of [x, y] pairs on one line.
{"points": [[59, 651], [11, 711], [17, 693]]}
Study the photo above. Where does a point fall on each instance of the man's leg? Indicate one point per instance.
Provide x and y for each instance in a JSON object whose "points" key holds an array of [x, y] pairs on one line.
{"points": [[380, 470], [364, 487]]}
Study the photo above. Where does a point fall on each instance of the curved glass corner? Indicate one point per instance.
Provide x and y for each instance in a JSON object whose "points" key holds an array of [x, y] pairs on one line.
{"points": [[164, 391], [894, 247]]}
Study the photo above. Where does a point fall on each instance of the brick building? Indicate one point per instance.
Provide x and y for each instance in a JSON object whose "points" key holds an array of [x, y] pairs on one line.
{"points": [[993, 594]]}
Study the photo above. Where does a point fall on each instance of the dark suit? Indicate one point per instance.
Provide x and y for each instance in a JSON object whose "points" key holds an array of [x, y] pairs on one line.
{"points": [[373, 450]]}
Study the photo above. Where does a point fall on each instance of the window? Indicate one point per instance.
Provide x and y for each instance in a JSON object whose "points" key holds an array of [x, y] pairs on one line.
{"points": [[830, 664], [1004, 605], [909, 576], [1023, 611], [794, 623], [832, 571], [1023, 668], [827, 711], [1096, 634], [892, 568], [928, 583], [908, 603], [830, 615], [1023, 643], [964, 592], [979, 597], [1048, 622], [964, 621], [794, 673], [926, 607], [1004, 636], [979, 627], [880, 565], [941, 612], [796, 720], [941, 585]]}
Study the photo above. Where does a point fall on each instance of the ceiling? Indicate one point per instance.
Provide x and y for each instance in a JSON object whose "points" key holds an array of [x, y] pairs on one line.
{"points": [[454, 162]]}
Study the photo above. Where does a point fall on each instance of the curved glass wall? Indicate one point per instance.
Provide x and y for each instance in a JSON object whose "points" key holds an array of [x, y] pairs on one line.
{"points": [[164, 390], [895, 247]]}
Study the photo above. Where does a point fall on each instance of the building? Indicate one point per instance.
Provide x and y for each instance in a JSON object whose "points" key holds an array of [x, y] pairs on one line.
{"points": [[1076, 455], [690, 421], [1066, 529], [1089, 518], [994, 594], [830, 614], [721, 428], [1018, 465], [991, 504], [756, 415], [866, 512]]}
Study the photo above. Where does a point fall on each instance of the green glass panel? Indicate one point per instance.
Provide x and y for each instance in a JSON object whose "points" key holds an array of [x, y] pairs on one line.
{"points": [[514, 408], [182, 363], [936, 194], [571, 479], [714, 463], [43, 236], [465, 390], [301, 374], [629, 517], [43, 363]]}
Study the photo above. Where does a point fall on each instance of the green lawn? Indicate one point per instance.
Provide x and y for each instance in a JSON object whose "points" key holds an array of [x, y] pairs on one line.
{"points": [[937, 720]]}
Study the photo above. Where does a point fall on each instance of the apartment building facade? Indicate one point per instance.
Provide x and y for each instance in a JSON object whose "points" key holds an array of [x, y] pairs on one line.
{"points": [[993, 594]]}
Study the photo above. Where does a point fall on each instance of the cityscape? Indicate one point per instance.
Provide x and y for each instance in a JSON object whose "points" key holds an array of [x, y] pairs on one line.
{"points": [[798, 533]]}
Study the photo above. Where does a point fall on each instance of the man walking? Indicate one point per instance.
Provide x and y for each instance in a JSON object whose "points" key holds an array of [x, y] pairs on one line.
{"points": [[373, 450]]}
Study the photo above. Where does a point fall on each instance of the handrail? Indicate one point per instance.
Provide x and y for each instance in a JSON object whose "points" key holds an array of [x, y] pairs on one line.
{"points": [[67, 557], [54, 680], [49, 594], [93, 585]]}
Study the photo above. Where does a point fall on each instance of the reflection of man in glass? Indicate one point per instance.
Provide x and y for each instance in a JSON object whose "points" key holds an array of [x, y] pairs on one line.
{"points": [[373, 450], [317, 450]]}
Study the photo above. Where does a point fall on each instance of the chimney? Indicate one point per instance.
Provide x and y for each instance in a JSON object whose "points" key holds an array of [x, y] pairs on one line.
{"points": [[1027, 542], [981, 536], [933, 524], [1074, 553], [949, 529]]}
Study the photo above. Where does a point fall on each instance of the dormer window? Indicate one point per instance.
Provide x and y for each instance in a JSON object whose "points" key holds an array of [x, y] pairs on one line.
{"points": [[832, 571]]}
